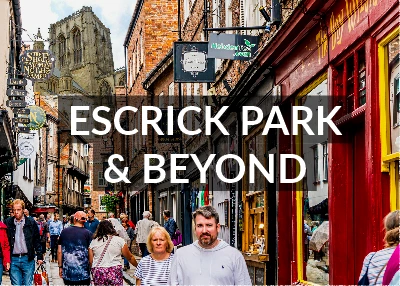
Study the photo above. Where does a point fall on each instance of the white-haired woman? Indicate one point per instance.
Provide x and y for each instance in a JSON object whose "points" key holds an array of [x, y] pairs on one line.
{"points": [[143, 228], [155, 268]]}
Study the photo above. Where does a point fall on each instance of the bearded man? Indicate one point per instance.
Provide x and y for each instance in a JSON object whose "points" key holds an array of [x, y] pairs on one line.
{"points": [[215, 263]]}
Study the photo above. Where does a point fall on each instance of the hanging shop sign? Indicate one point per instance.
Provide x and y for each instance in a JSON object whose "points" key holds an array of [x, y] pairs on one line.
{"points": [[22, 129], [232, 46], [24, 111], [26, 145], [22, 120], [191, 62], [176, 137], [37, 116], [16, 103], [16, 92], [17, 82], [37, 64]]}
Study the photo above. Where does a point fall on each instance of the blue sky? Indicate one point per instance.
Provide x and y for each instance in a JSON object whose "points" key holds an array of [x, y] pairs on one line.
{"points": [[115, 14]]}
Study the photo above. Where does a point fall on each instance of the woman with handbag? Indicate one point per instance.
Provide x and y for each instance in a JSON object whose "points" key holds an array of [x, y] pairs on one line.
{"points": [[105, 255], [375, 263]]}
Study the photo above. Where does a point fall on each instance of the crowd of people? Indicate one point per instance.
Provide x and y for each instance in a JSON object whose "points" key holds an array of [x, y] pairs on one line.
{"points": [[89, 251]]}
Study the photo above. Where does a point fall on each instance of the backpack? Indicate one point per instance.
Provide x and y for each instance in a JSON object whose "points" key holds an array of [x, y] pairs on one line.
{"points": [[41, 227], [177, 238]]}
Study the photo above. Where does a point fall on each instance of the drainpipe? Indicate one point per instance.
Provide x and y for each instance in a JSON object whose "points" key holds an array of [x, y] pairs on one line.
{"points": [[58, 168], [127, 137], [47, 165]]}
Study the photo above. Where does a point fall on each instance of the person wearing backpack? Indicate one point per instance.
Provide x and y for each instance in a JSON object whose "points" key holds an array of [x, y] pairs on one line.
{"points": [[44, 232], [170, 224]]}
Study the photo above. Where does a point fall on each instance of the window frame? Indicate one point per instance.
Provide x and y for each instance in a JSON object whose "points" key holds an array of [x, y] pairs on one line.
{"points": [[300, 186], [389, 159], [325, 158], [62, 49], [102, 208], [77, 44], [100, 176], [249, 210]]}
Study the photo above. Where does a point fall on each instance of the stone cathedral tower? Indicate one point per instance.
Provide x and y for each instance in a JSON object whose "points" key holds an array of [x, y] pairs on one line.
{"points": [[82, 44]]}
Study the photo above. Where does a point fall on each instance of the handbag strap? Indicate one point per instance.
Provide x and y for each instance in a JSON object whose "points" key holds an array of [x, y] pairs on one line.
{"points": [[369, 262], [41, 268], [380, 272], [104, 251]]}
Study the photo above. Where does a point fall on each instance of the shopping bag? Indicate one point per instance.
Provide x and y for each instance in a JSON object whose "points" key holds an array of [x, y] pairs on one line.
{"points": [[40, 276], [135, 249]]}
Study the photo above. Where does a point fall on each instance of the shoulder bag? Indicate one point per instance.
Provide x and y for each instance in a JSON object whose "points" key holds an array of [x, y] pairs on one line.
{"points": [[96, 271], [364, 280]]}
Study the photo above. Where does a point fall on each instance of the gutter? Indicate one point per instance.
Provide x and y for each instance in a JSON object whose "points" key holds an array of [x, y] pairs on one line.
{"points": [[132, 24], [18, 25]]}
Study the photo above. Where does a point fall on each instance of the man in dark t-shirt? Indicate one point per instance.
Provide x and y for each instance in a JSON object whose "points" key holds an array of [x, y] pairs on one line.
{"points": [[73, 259]]}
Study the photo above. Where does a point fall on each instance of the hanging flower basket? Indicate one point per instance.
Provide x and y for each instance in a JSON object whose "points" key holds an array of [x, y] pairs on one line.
{"points": [[110, 201]]}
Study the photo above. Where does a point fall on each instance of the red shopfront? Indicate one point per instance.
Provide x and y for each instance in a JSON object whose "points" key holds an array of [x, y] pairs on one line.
{"points": [[339, 53]]}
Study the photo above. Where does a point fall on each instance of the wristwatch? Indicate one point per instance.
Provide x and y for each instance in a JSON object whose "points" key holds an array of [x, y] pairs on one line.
{"points": [[60, 266]]}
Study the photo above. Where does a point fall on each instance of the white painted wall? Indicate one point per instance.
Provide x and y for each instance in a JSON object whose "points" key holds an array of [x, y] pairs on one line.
{"points": [[22, 179]]}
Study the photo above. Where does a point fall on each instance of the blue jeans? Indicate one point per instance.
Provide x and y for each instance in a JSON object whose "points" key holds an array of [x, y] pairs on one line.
{"points": [[21, 270], [126, 262]]}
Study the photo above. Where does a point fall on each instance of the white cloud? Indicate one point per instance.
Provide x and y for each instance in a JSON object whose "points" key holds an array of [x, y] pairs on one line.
{"points": [[115, 14], [36, 14]]}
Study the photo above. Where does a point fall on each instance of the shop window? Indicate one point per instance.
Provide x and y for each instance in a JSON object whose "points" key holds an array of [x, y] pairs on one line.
{"points": [[312, 193], [255, 198], [389, 74], [350, 81]]}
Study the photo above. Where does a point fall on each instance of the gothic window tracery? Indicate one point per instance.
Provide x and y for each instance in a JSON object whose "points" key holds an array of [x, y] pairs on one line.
{"points": [[62, 50], [77, 46]]}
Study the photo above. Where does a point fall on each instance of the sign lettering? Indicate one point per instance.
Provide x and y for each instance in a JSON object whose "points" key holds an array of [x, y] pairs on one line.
{"points": [[24, 111], [16, 103], [22, 120], [17, 82], [37, 64], [232, 46], [16, 92]]}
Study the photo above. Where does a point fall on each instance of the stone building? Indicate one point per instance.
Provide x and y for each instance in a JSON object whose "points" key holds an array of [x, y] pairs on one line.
{"points": [[84, 60], [84, 66]]}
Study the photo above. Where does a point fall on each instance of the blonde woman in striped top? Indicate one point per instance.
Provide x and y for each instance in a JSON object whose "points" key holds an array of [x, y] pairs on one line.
{"points": [[376, 262], [154, 269]]}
